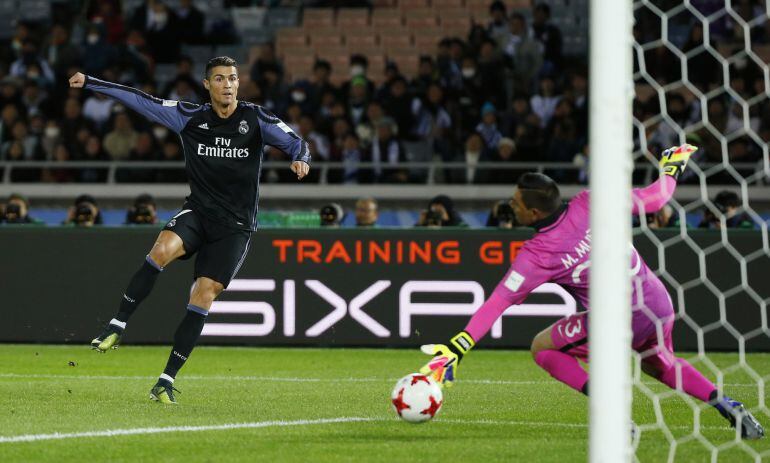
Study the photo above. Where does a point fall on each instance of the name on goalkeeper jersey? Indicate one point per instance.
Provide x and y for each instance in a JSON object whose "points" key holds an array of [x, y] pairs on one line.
{"points": [[222, 149], [581, 251]]}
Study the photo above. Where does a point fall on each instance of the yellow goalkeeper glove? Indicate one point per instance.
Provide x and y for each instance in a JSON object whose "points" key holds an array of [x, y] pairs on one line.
{"points": [[446, 358], [674, 160]]}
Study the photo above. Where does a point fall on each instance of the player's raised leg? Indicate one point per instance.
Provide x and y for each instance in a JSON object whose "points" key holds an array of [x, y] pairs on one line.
{"points": [[186, 336], [660, 362], [557, 350], [166, 249]]}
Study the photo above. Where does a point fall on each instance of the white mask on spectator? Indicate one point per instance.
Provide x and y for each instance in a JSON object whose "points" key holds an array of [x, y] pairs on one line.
{"points": [[160, 132], [160, 19], [469, 72], [356, 70], [52, 132], [92, 38], [299, 97]]}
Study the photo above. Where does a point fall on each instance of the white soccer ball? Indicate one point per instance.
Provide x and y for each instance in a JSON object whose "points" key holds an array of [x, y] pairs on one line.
{"points": [[416, 398]]}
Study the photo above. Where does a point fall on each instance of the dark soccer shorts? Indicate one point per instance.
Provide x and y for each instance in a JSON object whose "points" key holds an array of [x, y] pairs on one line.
{"points": [[221, 250]]}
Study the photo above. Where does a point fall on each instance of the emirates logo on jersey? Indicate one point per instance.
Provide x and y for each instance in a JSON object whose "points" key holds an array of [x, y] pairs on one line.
{"points": [[243, 128]]}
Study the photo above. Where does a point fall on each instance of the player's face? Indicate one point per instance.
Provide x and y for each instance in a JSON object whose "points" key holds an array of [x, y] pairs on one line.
{"points": [[222, 85], [524, 215]]}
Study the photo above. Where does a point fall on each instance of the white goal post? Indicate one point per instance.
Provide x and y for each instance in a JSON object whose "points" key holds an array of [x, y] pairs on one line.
{"points": [[610, 138]]}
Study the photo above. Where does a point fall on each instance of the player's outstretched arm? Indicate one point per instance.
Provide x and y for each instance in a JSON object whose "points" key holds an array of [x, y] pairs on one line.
{"points": [[276, 133], [169, 113], [524, 276], [653, 197]]}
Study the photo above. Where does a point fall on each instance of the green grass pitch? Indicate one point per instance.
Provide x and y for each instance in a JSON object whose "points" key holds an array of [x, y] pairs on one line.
{"points": [[330, 405]]}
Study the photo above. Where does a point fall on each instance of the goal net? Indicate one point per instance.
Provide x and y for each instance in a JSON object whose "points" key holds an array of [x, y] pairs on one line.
{"points": [[701, 77]]}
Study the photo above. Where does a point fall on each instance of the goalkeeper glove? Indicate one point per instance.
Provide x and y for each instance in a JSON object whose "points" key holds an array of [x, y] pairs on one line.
{"points": [[446, 358], [674, 160]]}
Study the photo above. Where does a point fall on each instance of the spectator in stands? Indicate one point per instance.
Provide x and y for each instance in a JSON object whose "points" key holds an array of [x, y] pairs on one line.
{"points": [[727, 203], [274, 91], [450, 76], [191, 90], [16, 211], [143, 211], [491, 71], [501, 216], [562, 146], [108, 14], [190, 23], [298, 95], [23, 140], [497, 29], [427, 75], [524, 53], [60, 53], [487, 128], [32, 66], [359, 67], [702, 68], [474, 154], [467, 98], [135, 57], [266, 61], [544, 102], [367, 127], [8, 118], [506, 154], [35, 100], [61, 154], [331, 215], [119, 142], [9, 93], [160, 26], [548, 35], [352, 155], [366, 213], [50, 137], [387, 154], [144, 151], [98, 109], [318, 143], [84, 212], [664, 218], [398, 105], [93, 152], [432, 122], [440, 213], [358, 98], [22, 33], [319, 85], [578, 93], [99, 52], [171, 151]]}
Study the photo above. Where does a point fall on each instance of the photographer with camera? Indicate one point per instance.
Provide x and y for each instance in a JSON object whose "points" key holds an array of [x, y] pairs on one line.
{"points": [[16, 211], [84, 213], [440, 213], [501, 216], [332, 215], [727, 203], [143, 212]]}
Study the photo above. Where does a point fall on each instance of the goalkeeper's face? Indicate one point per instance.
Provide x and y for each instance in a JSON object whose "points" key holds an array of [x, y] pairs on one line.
{"points": [[524, 215], [222, 85]]}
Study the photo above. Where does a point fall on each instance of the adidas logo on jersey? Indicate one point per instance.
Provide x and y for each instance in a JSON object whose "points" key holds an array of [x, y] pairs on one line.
{"points": [[205, 125]]}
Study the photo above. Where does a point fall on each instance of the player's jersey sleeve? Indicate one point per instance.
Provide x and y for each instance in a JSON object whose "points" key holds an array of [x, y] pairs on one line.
{"points": [[522, 278], [654, 196], [276, 133], [170, 113]]}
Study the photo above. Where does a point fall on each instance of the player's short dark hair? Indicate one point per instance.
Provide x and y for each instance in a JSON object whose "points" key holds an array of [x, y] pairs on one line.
{"points": [[544, 8], [539, 192], [219, 61]]}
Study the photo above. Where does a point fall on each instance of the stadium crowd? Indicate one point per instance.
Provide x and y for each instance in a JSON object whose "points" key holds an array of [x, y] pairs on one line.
{"points": [[504, 93]]}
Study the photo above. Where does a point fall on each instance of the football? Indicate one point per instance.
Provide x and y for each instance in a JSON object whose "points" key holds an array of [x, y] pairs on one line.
{"points": [[416, 398]]}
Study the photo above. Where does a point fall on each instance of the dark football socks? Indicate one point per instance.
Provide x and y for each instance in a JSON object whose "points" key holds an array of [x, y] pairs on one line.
{"points": [[185, 338], [138, 288]]}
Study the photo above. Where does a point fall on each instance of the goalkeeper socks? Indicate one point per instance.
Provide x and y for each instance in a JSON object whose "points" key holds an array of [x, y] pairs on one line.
{"points": [[564, 368], [690, 381], [185, 338], [138, 288]]}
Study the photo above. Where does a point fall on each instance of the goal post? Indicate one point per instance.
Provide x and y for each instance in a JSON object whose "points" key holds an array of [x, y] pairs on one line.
{"points": [[610, 140]]}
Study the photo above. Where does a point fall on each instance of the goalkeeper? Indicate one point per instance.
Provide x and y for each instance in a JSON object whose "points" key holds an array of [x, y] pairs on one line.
{"points": [[559, 253]]}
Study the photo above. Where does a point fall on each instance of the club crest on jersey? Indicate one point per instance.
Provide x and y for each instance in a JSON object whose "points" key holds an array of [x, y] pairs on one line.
{"points": [[243, 128]]}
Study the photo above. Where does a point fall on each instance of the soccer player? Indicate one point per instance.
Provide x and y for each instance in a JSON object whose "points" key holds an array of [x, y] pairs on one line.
{"points": [[559, 253], [222, 142]]}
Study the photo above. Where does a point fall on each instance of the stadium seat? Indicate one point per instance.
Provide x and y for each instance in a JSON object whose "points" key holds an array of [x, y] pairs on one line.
{"points": [[407, 61], [34, 10], [298, 66], [402, 40], [349, 18], [411, 4], [384, 3], [442, 4], [387, 18], [318, 17], [427, 44], [361, 38], [282, 17], [325, 40], [421, 18]]}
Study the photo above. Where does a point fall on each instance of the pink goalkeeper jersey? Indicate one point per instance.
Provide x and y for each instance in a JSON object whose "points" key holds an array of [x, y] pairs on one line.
{"points": [[559, 253]]}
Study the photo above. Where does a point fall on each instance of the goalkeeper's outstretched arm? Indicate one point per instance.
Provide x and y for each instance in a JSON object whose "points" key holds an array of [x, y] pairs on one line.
{"points": [[654, 196]]}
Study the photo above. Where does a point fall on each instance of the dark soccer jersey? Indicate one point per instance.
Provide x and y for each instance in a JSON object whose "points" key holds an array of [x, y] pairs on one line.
{"points": [[223, 157]]}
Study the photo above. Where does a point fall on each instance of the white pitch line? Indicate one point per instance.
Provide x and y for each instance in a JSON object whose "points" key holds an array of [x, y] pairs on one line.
{"points": [[281, 423], [301, 380], [217, 427]]}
